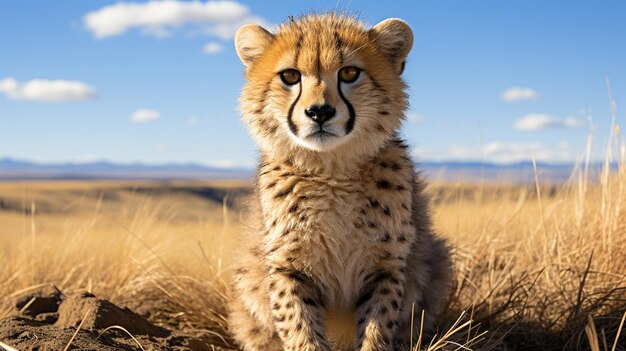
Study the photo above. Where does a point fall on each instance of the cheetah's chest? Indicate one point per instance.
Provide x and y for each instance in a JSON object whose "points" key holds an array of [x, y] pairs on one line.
{"points": [[336, 231]]}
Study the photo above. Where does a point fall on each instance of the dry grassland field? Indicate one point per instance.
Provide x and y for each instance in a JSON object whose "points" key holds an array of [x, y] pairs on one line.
{"points": [[536, 267]]}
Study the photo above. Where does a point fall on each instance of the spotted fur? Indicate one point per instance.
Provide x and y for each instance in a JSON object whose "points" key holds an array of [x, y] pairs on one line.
{"points": [[340, 245]]}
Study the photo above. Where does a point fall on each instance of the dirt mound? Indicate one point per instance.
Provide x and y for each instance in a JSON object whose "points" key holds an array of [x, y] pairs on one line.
{"points": [[47, 319]]}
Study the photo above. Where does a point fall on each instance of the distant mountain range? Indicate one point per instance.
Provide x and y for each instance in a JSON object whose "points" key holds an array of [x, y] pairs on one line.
{"points": [[18, 169], [11, 169]]}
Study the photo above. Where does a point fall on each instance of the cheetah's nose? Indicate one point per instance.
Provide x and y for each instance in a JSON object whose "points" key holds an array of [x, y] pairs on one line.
{"points": [[320, 114]]}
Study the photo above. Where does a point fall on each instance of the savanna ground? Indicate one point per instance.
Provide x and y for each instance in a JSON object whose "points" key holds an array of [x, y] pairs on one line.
{"points": [[536, 267]]}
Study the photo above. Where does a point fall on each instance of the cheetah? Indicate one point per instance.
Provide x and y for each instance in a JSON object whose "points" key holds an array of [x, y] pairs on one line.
{"points": [[339, 248]]}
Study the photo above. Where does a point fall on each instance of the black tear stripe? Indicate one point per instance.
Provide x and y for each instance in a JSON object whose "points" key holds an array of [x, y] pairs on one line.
{"points": [[350, 123], [292, 126]]}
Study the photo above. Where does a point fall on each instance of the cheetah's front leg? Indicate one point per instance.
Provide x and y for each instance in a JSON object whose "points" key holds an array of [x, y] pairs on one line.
{"points": [[297, 311], [378, 308]]}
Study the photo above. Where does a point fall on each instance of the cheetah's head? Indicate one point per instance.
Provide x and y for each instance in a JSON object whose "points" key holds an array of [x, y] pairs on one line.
{"points": [[324, 83]]}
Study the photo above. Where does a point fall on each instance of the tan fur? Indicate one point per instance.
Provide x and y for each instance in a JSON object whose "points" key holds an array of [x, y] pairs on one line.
{"points": [[340, 244]]}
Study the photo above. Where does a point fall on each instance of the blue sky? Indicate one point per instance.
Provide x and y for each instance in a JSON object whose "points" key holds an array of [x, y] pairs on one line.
{"points": [[134, 81]]}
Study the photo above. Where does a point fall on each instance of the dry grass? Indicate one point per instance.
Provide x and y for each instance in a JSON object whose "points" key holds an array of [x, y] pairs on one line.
{"points": [[529, 272], [536, 267], [160, 249]]}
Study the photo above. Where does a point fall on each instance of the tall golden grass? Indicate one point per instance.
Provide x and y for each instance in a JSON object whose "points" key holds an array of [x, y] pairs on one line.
{"points": [[538, 267], [545, 270]]}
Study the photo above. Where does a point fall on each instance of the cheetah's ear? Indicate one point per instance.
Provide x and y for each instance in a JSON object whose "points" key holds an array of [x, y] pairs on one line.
{"points": [[250, 41], [394, 38]]}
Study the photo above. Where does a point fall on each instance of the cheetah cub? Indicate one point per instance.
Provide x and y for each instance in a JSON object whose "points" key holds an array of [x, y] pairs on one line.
{"points": [[340, 244]]}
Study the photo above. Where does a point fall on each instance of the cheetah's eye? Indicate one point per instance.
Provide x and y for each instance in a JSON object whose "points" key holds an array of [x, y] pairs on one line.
{"points": [[349, 74], [290, 76]]}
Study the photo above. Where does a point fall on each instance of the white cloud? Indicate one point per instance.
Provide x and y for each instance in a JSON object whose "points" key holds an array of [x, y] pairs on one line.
{"points": [[539, 121], [212, 47], [46, 90], [503, 152], [192, 121], [227, 30], [8, 85], [573, 122], [160, 18], [518, 94], [536, 121], [145, 115]]}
